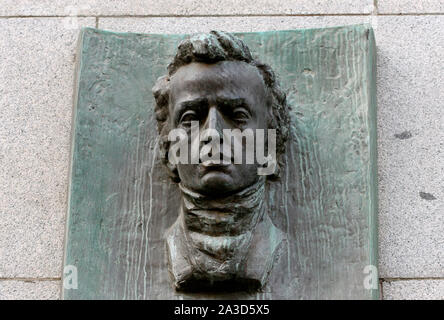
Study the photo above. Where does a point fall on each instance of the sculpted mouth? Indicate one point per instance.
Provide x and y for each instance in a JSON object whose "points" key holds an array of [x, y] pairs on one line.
{"points": [[220, 160], [212, 167], [215, 164], [215, 168], [221, 164]]}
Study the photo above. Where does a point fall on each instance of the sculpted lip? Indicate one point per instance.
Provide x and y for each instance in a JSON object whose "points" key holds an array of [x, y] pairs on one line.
{"points": [[209, 166], [212, 163], [221, 165]]}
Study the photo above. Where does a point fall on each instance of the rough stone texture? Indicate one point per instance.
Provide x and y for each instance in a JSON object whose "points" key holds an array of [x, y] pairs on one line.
{"points": [[229, 24], [29, 290], [36, 78], [410, 6], [413, 290], [186, 7], [411, 145]]}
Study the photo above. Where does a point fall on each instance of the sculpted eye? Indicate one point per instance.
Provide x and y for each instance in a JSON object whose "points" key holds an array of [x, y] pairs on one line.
{"points": [[240, 115], [187, 117]]}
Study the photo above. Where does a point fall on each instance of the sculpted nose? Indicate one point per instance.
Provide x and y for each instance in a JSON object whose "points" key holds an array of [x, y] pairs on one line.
{"points": [[213, 131], [214, 120]]}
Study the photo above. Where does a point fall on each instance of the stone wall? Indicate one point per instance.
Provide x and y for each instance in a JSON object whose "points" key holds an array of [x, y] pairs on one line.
{"points": [[37, 57]]}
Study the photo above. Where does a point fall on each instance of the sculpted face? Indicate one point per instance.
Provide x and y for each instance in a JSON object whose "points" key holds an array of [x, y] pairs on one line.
{"points": [[224, 95]]}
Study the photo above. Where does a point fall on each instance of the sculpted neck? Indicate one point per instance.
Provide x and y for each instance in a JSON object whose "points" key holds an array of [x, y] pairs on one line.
{"points": [[228, 216]]}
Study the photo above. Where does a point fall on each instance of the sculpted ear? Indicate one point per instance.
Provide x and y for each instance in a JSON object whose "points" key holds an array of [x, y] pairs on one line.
{"points": [[163, 155], [172, 172], [161, 95], [276, 174]]}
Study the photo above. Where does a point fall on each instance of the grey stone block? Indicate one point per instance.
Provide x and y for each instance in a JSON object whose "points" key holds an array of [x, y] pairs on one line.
{"points": [[411, 139], [186, 7], [410, 6], [229, 24], [30, 290], [36, 89], [413, 290]]}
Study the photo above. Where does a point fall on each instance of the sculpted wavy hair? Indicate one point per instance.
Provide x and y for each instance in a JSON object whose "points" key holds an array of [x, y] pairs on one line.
{"points": [[211, 48]]}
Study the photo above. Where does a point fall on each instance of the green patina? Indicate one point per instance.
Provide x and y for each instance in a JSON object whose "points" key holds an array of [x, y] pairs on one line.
{"points": [[121, 200]]}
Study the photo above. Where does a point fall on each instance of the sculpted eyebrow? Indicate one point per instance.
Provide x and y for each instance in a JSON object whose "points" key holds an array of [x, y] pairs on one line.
{"points": [[233, 103], [195, 105]]}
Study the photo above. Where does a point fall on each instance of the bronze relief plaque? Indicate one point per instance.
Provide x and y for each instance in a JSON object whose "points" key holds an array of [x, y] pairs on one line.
{"points": [[161, 208]]}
